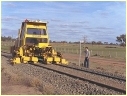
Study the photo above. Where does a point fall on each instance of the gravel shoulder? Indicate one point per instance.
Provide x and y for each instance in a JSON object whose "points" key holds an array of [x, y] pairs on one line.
{"points": [[37, 81]]}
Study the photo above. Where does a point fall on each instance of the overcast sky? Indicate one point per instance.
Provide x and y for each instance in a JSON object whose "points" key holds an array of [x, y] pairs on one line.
{"points": [[68, 21]]}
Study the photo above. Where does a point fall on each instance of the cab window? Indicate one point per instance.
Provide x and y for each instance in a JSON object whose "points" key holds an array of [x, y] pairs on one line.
{"points": [[36, 31]]}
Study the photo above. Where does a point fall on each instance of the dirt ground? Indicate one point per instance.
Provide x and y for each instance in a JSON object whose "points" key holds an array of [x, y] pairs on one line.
{"points": [[10, 87], [10, 84], [102, 64]]}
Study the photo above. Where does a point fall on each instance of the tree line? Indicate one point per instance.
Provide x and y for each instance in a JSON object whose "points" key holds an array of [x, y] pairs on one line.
{"points": [[120, 39], [8, 38]]}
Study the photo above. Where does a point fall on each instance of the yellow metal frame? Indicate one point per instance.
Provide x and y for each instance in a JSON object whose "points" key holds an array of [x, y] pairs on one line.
{"points": [[21, 49], [39, 26]]}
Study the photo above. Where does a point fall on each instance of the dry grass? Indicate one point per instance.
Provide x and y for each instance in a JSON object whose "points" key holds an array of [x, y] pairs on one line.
{"points": [[2, 69], [47, 89], [34, 82], [13, 78], [38, 84]]}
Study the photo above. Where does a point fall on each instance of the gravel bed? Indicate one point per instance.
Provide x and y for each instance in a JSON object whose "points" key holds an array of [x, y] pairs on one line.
{"points": [[59, 82], [96, 71], [99, 78]]}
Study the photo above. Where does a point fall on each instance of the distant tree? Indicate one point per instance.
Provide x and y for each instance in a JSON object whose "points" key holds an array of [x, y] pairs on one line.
{"points": [[88, 42], [76, 42], [70, 42], [106, 43], [111, 43], [8, 38], [116, 44], [4, 38], [93, 42], [63, 41], [54, 41], [99, 43], [121, 39]]}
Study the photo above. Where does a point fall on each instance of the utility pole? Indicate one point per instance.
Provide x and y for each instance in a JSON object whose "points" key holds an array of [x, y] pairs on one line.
{"points": [[80, 52]]}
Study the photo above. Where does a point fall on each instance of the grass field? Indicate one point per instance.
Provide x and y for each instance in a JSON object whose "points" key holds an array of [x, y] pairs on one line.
{"points": [[101, 50], [114, 63], [118, 52]]}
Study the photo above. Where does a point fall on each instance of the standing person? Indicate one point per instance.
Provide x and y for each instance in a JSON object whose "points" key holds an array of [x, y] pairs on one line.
{"points": [[87, 55]]}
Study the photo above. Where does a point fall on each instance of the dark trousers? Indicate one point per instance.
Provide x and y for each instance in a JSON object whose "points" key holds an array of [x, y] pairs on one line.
{"points": [[86, 62]]}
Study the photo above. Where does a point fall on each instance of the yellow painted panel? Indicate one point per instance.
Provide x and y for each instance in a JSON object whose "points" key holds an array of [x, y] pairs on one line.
{"points": [[56, 59], [36, 36]]}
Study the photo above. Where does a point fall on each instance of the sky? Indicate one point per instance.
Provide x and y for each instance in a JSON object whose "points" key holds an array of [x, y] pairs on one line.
{"points": [[68, 21]]}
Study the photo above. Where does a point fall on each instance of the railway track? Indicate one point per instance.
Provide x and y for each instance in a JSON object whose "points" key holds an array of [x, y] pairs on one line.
{"points": [[110, 85], [74, 72], [105, 74]]}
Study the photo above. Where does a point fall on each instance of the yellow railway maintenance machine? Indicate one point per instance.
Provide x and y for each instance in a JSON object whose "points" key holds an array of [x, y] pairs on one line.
{"points": [[32, 45]]}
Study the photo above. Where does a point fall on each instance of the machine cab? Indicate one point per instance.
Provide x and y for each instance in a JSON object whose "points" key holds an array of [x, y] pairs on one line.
{"points": [[34, 32]]}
